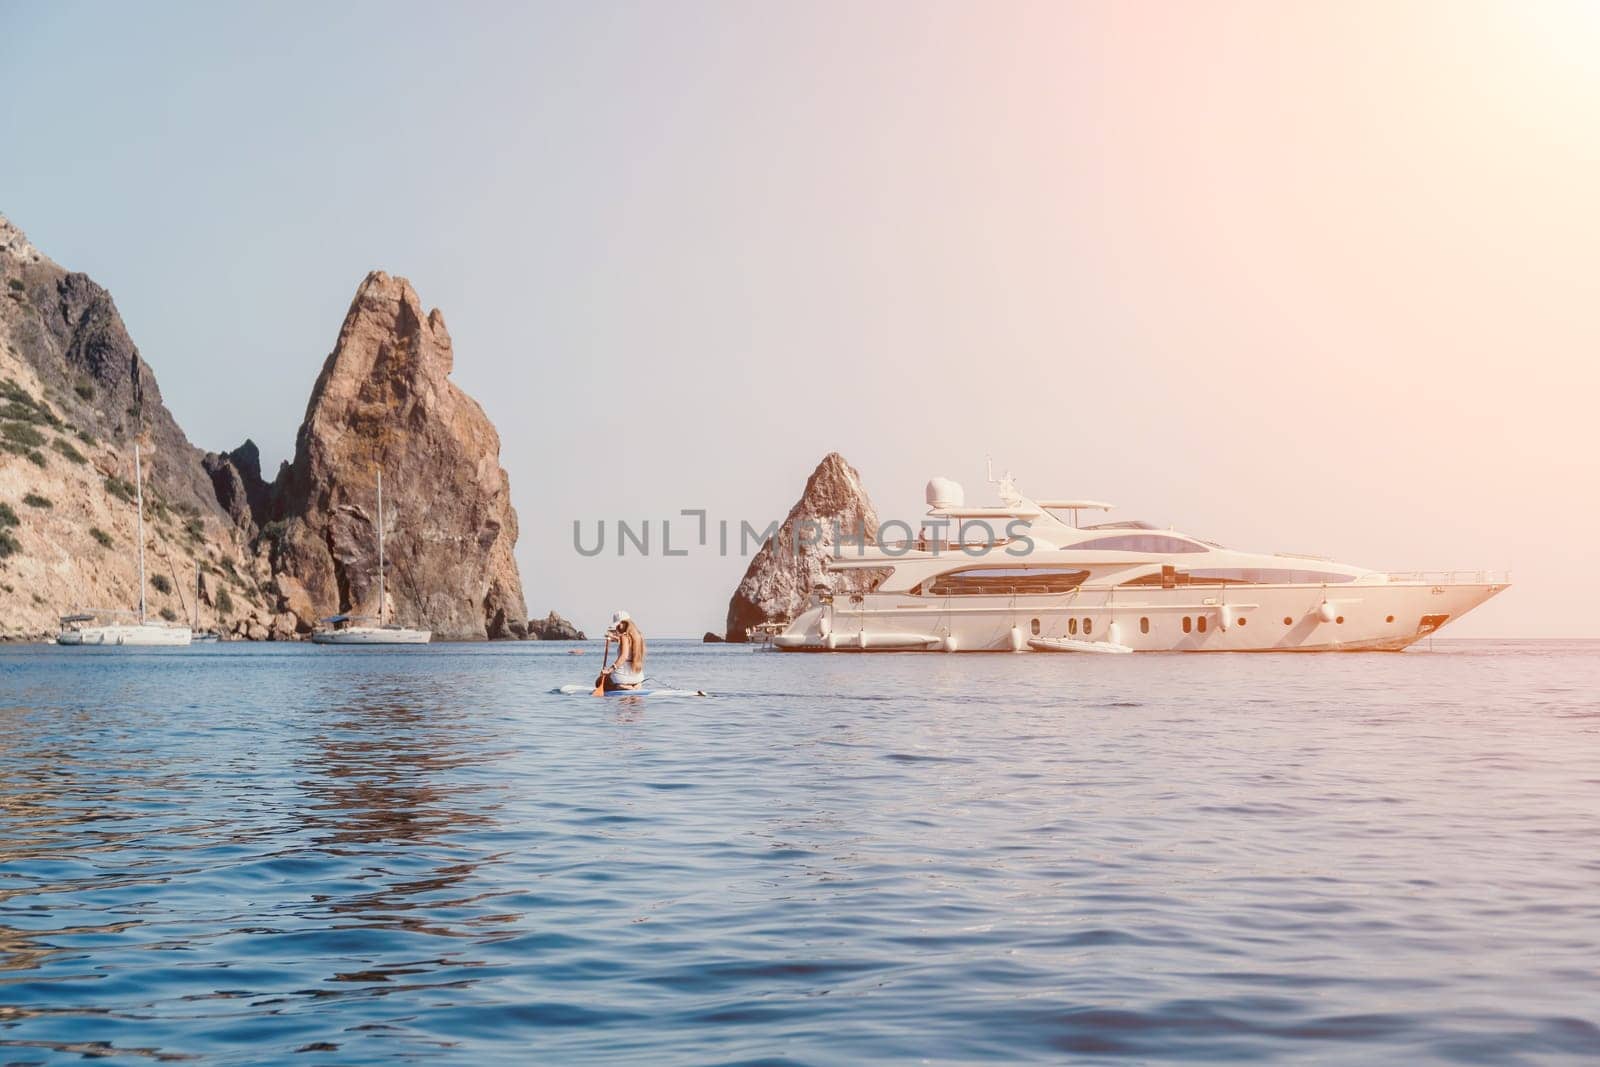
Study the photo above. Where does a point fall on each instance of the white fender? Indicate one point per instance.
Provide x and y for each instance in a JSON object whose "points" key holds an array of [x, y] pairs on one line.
{"points": [[832, 641], [1114, 633], [1222, 617], [1326, 612], [825, 624], [1017, 642], [949, 643]]}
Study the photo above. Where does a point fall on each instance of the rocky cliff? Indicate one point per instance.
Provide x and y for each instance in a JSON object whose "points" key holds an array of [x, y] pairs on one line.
{"points": [[833, 505], [384, 402], [75, 394]]}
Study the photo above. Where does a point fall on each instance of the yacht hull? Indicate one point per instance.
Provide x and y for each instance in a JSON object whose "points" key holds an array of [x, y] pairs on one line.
{"points": [[1385, 617], [134, 636], [372, 635]]}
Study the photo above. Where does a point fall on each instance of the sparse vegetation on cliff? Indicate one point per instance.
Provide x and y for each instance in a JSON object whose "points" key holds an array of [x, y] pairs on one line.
{"points": [[34, 500], [22, 433], [9, 545], [224, 602], [101, 536], [62, 445], [161, 583], [121, 488]]}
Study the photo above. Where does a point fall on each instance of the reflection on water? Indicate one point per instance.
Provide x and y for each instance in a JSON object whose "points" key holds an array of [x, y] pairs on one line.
{"points": [[259, 854], [379, 782]]}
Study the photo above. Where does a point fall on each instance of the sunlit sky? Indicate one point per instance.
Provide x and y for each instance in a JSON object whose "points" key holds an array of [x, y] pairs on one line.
{"points": [[1301, 277]]}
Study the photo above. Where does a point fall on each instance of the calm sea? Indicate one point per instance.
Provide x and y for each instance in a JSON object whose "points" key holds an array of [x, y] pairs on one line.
{"points": [[245, 854]]}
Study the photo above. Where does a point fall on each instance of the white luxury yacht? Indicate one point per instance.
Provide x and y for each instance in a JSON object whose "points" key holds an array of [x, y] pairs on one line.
{"points": [[1044, 584], [75, 629], [383, 633]]}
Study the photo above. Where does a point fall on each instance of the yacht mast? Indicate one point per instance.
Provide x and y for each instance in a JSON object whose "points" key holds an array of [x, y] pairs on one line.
{"points": [[138, 486], [380, 548], [197, 594]]}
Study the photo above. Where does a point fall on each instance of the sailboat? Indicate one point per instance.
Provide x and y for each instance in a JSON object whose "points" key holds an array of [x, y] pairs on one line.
{"points": [[201, 637], [385, 633], [143, 631]]}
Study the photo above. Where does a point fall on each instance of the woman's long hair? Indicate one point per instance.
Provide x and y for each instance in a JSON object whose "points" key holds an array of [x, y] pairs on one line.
{"points": [[636, 652]]}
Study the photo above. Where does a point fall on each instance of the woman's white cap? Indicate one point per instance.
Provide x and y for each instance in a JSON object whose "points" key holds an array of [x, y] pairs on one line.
{"points": [[619, 617]]}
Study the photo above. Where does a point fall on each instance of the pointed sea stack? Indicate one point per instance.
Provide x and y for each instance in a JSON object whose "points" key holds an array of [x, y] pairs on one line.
{"points": [[784, 572], [384, 401]]}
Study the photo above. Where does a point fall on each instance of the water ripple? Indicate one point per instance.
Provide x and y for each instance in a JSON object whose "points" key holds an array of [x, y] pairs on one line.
{"points": [[241, 855]]}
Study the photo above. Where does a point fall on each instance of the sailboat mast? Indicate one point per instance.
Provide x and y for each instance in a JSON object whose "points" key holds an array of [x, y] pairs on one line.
{"points": [[138, 486], [380, 548], [197, 594]]}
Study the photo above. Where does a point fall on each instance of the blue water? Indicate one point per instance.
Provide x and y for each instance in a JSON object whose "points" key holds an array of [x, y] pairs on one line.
{"points": [[248, 854]]}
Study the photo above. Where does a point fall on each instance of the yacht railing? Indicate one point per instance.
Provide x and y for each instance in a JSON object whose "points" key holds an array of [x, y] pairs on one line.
{"points": [[931, 544], [1452, 577]]}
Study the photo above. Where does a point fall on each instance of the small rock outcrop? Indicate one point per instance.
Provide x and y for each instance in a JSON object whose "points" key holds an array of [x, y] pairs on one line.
{"points": [[385, 402], [553, 628], [711, 639], [833, 507]]}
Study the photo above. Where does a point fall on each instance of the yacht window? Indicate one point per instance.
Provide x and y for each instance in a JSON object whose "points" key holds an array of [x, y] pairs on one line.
{"points": [[1141, 542], [1035, 627], [1243, 620], [1072, 626], [1170, 577], [1389, 619], [1288, 621], [1201, 623], [1144, 625], [1005, 581], [1125, 524], [1339, 620], [1088, 626], [1186, 624]]}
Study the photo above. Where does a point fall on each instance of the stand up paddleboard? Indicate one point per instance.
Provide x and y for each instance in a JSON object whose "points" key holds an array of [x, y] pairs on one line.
{"points": [[588, 690]]}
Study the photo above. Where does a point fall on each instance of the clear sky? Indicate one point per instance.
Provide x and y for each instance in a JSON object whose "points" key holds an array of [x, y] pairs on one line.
{"points": [[1309, 277]]}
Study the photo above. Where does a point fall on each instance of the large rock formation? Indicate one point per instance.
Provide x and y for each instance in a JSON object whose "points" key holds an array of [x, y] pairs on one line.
{"points": [[834, 507], [74, 395], [385, 403]]}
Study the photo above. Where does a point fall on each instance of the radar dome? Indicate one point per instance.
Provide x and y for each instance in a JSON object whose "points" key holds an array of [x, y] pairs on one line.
{"points": [[943, 493]]}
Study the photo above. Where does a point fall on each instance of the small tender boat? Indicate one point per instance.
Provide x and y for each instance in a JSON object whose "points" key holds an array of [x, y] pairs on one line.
{"points": [[1072, 644]]}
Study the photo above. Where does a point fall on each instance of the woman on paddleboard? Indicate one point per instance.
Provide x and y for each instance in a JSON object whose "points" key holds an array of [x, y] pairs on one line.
{"points": [[627, 672]]}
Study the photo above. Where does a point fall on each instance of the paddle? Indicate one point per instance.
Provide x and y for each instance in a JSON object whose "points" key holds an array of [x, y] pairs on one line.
{"points": [[600, 681]]}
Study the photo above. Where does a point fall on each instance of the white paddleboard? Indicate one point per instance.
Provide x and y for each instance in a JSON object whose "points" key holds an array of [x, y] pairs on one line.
{"points": [[588, 690]]}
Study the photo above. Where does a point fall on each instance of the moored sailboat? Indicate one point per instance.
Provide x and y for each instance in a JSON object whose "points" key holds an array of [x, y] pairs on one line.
{"points": [[143, 631], [384, 633]]}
